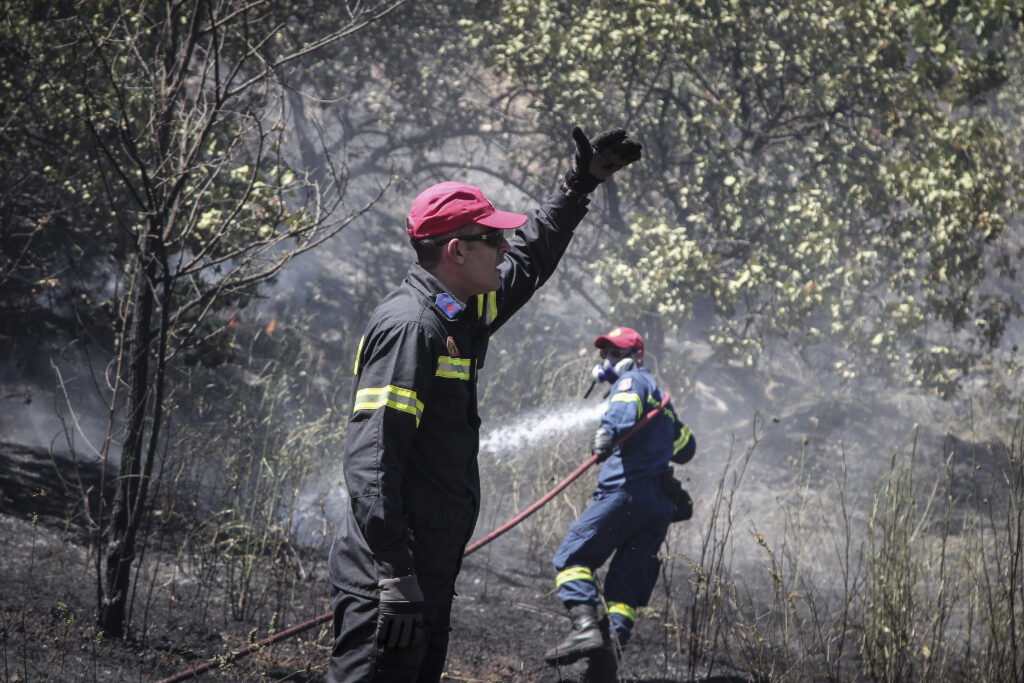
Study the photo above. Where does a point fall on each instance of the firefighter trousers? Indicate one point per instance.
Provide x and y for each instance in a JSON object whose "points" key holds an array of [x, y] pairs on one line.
{"points": [[630, 521]]}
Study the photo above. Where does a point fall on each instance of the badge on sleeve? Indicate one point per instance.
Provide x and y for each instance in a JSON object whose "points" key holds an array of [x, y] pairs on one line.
{"points": [[453, 350], [625, 384], [448, 305]]}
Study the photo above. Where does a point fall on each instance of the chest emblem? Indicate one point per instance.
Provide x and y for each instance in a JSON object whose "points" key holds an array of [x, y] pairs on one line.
{"points": [[453, 350], [448, 305]]}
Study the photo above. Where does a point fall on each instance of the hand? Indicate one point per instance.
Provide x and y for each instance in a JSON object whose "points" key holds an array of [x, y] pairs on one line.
{"points": [[602, 446], [400, 620], [596, 160]]}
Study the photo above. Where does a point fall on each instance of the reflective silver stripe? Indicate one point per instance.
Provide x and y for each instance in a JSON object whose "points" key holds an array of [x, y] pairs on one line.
{"points": [[372, 398], [454, 368]]}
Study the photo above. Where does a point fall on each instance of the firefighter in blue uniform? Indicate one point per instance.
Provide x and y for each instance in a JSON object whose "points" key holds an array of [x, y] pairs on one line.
{"points": [[410, 458], [636, 499]]}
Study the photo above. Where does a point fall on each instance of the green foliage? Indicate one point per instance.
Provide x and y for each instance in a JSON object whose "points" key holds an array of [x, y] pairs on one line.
{"points": [[830, 173], [54, 240], [158, 124]]}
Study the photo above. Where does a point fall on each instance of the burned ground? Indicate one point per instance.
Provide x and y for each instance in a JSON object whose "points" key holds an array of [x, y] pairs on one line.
{"points": [[785, 509], [505, 616]]}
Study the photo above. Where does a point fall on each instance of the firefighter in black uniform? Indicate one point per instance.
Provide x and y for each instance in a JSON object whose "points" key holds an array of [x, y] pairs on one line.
{"points": [[410, 457]]}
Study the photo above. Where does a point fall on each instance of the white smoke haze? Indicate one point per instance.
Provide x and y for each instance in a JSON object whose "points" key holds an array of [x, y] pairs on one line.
{"points": [[56, 408]]}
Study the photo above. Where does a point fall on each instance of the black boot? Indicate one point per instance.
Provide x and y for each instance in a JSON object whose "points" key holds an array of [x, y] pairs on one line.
{"points": [[584, 639]]}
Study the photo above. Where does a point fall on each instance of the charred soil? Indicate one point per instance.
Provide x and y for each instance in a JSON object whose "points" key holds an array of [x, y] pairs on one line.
{"points": [[505, 615]]}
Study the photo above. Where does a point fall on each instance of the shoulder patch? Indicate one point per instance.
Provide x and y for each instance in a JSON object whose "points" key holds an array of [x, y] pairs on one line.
{"points": [[448, 305], [625, 384], [453, 350]]}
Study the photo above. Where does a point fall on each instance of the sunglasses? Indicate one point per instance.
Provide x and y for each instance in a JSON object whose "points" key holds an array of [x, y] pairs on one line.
{"points": [[615, 353], [494, 238]]}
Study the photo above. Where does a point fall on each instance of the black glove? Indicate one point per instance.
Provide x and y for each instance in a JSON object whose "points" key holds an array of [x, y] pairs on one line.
{"points": [[400, 622], [602, 445], [597, 159]]}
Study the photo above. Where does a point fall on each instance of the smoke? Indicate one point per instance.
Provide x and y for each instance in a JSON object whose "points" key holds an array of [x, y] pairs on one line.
{"points": [[318, 508], [793, 463], [55, 405]]}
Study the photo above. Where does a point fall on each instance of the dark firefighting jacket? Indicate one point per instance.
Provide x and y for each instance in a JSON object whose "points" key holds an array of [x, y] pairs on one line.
{"points": [[410, 458]]}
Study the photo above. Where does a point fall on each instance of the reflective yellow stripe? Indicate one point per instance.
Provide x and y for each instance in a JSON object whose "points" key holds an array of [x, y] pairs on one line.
{"points": [[398, 398], [574, 574], [623, 609], [684, 438], [455, 368], [629, 397], [359, 352], [491, 311]]}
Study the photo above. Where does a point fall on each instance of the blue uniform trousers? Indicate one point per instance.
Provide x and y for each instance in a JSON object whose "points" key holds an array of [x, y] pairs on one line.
{"points": [[630, 521]]}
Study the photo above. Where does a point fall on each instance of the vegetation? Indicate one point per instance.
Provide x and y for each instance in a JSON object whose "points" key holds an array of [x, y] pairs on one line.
{"points": [[832, 174], [830, 191], [161, 131]]}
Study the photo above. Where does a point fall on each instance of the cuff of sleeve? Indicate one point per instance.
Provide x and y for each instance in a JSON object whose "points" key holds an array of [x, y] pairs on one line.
{"points": [[578, 197]]}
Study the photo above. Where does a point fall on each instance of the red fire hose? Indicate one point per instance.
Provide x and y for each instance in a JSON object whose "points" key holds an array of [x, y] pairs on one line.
{"points": [[306, 625]]}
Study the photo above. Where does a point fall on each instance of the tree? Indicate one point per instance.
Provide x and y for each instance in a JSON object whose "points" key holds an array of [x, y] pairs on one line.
{"points": [[831, 174], [161, 131]]}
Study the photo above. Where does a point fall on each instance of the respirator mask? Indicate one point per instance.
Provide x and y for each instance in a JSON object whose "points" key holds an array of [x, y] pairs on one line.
{"points": [[606, 372], [614, 363]]}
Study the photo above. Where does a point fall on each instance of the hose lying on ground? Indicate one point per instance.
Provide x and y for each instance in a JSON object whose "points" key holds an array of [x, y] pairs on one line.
{"points": [[299, 628]]}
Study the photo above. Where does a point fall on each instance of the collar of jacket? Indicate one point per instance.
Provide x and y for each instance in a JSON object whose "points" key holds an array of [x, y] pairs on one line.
{"points": [[429, 286]]}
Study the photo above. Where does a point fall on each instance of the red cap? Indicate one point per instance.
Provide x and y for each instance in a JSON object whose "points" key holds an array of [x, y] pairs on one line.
{"points": [[448, 206], [622, 337]]}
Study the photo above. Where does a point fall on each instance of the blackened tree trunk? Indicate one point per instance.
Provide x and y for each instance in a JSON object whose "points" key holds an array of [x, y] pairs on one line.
{"points": [[131, 483]]}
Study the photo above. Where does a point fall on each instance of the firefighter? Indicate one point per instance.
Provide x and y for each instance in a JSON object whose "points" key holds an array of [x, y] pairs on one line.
{"points": [[636, 499], [410, 459]]}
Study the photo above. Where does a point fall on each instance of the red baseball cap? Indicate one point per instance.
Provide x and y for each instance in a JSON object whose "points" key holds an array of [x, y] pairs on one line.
{"points": [[622, 337], [448, 206]]}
